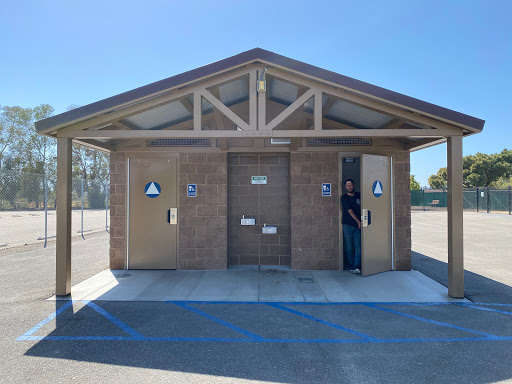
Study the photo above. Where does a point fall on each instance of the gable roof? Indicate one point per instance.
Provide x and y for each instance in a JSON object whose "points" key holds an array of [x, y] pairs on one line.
{"points": [[251, 56]]}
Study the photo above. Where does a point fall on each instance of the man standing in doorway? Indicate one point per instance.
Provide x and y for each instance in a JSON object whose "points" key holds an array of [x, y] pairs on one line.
{"points": [[351, 220]]}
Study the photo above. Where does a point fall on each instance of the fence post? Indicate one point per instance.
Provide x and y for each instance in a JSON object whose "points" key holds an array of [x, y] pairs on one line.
{"points": [[45, 210], [488, 200], [509, 200], [82, 225], [106, 207], [477, 199], [423, 200]]}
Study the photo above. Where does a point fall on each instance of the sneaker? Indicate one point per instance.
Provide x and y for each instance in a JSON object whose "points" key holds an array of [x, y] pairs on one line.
{"points": [[357, 271], [353, 270]]}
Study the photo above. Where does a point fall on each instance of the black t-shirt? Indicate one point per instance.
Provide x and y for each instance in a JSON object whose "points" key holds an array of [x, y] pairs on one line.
{"points": [[353, 203]]}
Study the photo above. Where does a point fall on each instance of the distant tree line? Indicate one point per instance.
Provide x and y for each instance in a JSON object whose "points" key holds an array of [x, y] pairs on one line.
{"points": [[24, 152], [480, 170]]}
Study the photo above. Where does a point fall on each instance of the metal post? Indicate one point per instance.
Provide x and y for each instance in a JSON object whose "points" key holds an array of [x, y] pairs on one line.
{"points": [[488, 200], [45, 210], [455, 218], [509, 200], [423, 200], [106, 208], [477, 198], [82, 183]]}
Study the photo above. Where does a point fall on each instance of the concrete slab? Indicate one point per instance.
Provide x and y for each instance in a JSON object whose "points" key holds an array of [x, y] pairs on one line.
{"points": [[392, 286], [264, 285], [279, 285], [310, 290]]}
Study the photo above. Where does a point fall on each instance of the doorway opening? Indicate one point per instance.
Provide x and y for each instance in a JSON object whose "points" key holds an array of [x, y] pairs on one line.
{"points": [[350, 169]]}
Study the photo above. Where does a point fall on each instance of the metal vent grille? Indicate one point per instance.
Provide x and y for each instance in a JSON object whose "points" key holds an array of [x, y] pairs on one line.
{"points": [[179, 143], [319, 142]]}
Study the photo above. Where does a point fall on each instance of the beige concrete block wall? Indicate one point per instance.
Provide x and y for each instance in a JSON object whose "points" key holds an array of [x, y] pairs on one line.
{"points": [[314, 218], [402, 208], [118, 188], [203, 219]]}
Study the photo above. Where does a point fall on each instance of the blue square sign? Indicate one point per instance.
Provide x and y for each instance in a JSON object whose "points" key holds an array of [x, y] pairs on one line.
{"points": [[326, 189], [192, 190]]}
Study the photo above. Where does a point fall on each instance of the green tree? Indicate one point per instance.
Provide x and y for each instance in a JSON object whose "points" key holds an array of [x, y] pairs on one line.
{"points": [[439, 180], [479, 170], [486, 169], [414, 184]]}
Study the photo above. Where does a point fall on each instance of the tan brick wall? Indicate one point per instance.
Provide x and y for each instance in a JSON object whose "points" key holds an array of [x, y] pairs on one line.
{"points": [[203, 219], [118, 188], [314, 218], [402, 208]]}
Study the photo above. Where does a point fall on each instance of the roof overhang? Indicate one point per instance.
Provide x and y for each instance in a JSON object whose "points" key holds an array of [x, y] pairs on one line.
{"points": [[323, 103]]}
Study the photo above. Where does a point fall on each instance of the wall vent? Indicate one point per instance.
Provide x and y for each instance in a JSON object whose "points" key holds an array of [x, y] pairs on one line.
{"points": [[322, 142], [179, 143]]}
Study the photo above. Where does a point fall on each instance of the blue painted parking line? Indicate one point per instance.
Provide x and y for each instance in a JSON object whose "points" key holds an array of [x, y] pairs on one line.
{"points": [[28, 335], [244, 332], [488, 309], [113, 319], [488, 335], [254, 338], [329, 324]]}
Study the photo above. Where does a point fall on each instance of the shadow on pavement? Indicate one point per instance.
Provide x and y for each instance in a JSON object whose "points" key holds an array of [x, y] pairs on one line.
{"points": [[477, 288]]}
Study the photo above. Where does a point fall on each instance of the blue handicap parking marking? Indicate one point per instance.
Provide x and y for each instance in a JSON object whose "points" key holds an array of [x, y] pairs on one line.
{"points": [[152, 189], [377, 188], [316, 320]]}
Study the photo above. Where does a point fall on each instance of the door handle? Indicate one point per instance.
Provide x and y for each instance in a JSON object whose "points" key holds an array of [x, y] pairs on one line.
{"points": [[172, 216], [366, 217]]}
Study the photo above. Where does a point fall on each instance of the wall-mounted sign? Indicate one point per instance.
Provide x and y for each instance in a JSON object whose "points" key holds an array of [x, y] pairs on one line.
{"points": [[377, 188], [152, 189], [258, 179], [326, 189], [192, 190]]}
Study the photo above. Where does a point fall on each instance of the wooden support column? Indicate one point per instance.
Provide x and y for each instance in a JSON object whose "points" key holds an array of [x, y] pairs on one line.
{"points": [[63, 251], [455, 219]]}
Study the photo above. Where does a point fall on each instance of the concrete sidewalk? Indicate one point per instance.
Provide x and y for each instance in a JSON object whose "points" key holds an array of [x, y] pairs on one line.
{"points": [[267, 284]]}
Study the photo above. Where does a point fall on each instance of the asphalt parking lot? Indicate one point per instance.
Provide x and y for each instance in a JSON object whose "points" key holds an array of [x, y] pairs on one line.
{"points": [[220, 342]]}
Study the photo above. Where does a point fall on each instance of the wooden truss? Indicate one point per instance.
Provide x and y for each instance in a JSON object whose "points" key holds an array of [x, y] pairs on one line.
{"points": [[112, 124]]}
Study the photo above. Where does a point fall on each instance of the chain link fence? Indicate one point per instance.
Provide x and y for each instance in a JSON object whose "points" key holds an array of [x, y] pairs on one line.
{"points": [[474, 199], [27, 208]]}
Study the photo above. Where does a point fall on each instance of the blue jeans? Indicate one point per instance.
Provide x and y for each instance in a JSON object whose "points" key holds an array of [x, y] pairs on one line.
{"points": [[352, 244]]}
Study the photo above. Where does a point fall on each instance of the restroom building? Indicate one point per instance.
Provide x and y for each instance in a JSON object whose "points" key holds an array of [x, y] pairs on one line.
{"points": [[243, 162]]}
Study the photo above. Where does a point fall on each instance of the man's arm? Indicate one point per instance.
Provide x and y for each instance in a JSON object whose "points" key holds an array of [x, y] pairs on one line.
{"points": [[357, 219]]}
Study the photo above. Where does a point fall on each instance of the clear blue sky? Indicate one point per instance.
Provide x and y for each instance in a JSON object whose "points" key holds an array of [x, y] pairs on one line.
{"points": [[456, 53]]}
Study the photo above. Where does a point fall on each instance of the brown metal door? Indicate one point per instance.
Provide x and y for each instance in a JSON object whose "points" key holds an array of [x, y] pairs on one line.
{"points": [[376, 214], [152, 214]]}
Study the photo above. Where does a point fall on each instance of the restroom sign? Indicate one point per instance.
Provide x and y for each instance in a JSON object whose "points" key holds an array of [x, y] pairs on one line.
{"points": [[326, 189], [377, 188], [258, 179], [152, 189], [192, 190]]}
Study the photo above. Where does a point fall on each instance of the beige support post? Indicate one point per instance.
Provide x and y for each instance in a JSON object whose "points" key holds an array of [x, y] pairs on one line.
{"points": [[63, 251], [253, 101], [317, 111], [455, 219], [198, 111]]}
